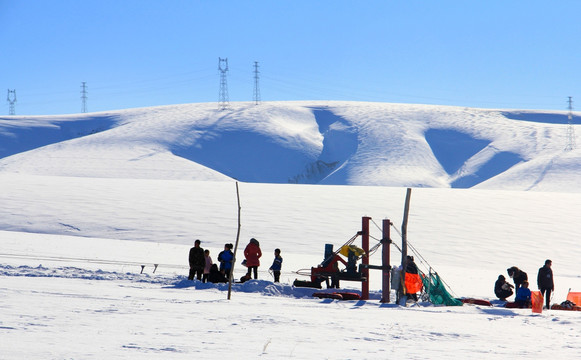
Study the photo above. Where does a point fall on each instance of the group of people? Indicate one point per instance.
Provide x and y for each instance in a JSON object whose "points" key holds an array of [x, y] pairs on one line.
{"points": [[503, 289], [203, 268]]}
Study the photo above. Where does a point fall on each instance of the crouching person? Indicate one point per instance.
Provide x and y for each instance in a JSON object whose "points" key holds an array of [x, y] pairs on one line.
{"points": [[502, 289], [216, 276]]}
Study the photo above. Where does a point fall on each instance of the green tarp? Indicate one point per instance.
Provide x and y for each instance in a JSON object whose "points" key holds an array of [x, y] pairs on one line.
{"points": [[437, 292]]}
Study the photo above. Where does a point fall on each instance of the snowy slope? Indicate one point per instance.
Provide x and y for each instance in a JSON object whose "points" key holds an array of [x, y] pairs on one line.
{"points": [[88, 199], [333, 143]]}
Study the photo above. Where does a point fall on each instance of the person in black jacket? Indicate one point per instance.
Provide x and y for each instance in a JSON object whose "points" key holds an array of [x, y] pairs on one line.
{"points": [[197, 261], [216, 276], [411, 270], [502, 289], [518, 276], [545, 282]]}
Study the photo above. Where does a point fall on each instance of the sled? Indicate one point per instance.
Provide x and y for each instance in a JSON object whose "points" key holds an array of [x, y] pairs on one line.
{"points": [[561, 307], [349, 295], [574, 297], [513, 305], [537, 301], [476, 301], [323, 295], [338, 295], [309, 284]]}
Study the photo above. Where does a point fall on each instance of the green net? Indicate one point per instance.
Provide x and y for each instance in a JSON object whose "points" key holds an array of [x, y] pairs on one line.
{"points": [[437, 292]]}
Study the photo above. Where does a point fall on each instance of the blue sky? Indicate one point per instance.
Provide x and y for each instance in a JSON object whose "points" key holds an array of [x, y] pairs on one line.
{"points": [[135, 53]]}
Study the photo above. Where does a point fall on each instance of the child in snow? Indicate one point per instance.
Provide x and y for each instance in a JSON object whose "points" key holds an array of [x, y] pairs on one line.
{"points": [[523, 296], [207, 267], [276, 265]]}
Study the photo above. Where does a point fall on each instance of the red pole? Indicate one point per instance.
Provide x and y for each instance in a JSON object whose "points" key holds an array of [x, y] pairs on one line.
{"points": [[385, 265], [365, 244]]}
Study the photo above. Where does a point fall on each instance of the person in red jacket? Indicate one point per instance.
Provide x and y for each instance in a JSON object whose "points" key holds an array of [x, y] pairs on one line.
{"points": [[252, 254]]}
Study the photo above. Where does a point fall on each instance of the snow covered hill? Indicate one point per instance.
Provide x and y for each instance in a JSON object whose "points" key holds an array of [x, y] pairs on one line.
{"points": [[87, 199], [331, 143]]}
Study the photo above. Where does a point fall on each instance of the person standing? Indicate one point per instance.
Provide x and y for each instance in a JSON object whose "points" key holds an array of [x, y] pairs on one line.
{"points": [[545, 282], [413, 281], [518, 276], [252, 254], [208, 263], [225, 258], [197, 261], [276, 265]]}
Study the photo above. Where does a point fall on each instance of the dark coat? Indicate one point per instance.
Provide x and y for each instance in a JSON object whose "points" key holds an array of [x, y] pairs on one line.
{"points": [[411, 267], [502, 289], [545, 278], [216, 276], [197, 258], [518, 276]]}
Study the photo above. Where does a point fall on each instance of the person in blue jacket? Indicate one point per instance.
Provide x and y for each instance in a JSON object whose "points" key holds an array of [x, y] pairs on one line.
{"points": [[276, 265], [225, 258], [523, 296]]}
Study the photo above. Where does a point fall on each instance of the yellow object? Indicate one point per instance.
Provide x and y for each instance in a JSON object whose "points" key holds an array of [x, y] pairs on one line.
{"points": [[356, 250]]}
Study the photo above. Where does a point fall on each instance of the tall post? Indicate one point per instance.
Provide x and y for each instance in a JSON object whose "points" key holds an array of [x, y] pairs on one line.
{"points": [[385, 265], [404, 238], [236, 246], [223, 100], [256, 95], [11, 98], [83, 97], [365, 268]]}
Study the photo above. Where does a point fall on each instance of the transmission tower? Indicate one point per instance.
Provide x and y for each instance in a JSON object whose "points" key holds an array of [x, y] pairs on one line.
{"points": [[256, 95], [83, 97], [570, 130], [223, 101], [11, 98]]}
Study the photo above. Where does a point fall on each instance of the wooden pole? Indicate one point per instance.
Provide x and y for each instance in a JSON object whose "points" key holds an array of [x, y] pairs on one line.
{"points": [[235, 246], [404, 237]]}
